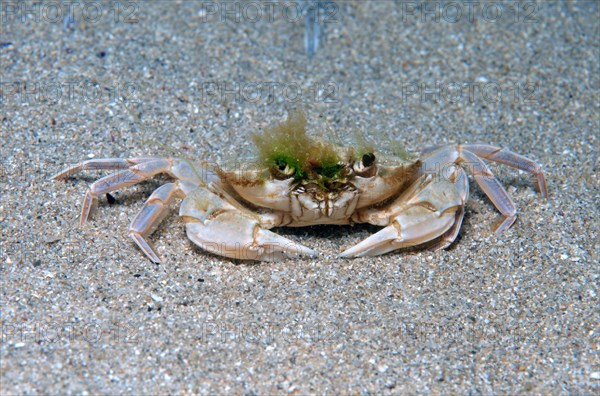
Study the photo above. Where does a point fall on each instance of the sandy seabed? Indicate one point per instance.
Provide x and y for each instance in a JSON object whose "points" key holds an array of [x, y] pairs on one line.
{"points": [[83, 311]]}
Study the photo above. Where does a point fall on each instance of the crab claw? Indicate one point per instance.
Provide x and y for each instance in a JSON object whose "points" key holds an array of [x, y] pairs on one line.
{"points": [[416, 226], [427, 210], [217, 226]]}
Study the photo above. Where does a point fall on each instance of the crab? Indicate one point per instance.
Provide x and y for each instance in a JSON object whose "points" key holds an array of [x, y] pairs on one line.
{"points": [[302, 181]]}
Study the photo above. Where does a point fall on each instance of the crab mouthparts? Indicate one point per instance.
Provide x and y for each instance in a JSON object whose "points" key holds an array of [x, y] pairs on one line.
{"points": [[323, 190]]}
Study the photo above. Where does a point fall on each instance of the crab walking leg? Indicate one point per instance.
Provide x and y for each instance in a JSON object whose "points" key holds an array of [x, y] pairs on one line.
{"points": [[483, 176], [424, 212], [217, 226], [462, 187], [118, 180], [179, 169], [101, 164], [153, 212], [507, 157], [144, 168], [492, 188]]}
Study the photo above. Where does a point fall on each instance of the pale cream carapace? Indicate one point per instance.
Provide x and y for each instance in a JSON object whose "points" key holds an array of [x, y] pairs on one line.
{"points": [[229, 212]]}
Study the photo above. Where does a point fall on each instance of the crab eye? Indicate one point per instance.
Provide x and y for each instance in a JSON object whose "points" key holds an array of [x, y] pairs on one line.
{"points": [[283, 169], [365, 166], [368, 159]]}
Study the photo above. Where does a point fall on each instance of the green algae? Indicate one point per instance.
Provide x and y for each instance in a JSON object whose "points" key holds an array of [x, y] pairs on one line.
{"points": [[286, 145]]}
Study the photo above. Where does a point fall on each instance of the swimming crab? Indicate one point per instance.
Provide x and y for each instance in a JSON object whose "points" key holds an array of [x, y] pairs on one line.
{"points": [[300, 181]]}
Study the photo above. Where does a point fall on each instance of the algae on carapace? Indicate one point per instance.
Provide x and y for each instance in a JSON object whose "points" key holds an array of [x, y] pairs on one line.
{"points": [[286, 148]]}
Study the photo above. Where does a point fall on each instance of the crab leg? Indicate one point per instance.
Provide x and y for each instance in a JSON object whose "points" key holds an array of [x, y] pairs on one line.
{"points": [[483, 176], [100, 164], [215, 225], [135, 170], [492, 188], [153, 212], [462, 187], [424, 212], [507, 157]]}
